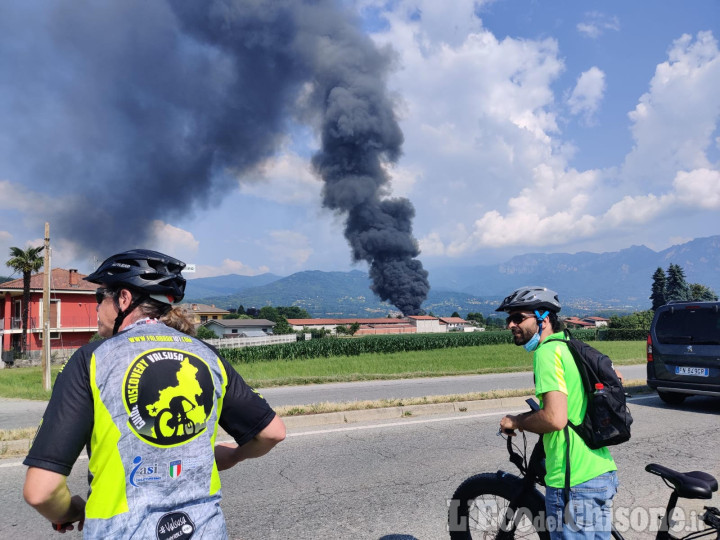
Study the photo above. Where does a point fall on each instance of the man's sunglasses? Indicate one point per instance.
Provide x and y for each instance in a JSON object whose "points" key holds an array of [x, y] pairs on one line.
{"points": [[517, 318], [101, 293]]}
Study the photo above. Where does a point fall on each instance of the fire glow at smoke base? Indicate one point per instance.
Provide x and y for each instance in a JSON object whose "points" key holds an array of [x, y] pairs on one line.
{"points": [[158, 101]]}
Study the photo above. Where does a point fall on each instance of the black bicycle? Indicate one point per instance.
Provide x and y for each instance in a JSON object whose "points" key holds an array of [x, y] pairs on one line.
{"points": [[503, 505]]}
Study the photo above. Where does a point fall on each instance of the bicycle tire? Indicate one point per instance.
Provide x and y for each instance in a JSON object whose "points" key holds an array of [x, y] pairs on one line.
{"points": [[160, 421], [480, 499]]}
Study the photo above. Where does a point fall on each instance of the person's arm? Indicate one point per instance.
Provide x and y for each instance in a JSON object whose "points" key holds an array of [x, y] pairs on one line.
{"points": [[47, 492], [552, 417], [228, 454]]}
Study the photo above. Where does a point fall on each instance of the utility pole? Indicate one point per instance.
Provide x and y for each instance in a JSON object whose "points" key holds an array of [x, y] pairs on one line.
{"points": [[46, 313]]}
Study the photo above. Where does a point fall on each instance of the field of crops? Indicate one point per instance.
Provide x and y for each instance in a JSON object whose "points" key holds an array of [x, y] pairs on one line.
{"points": [[329, 347]]}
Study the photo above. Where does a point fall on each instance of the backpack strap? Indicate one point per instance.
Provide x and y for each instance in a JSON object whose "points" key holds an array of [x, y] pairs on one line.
{"points": [[568, 518]]}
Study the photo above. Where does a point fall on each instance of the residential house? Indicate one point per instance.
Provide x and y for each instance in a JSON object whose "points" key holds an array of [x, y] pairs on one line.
{"points": [[73, 314], [577, 322], [227, 328], [456, 324], [202, 312], [367, 326]]}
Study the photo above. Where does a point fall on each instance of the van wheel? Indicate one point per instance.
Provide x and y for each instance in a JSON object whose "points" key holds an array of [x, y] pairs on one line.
{"points": [[672, 398]]}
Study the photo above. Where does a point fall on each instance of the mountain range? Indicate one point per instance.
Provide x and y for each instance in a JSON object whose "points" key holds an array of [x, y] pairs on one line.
{"points": [[588, 283]]}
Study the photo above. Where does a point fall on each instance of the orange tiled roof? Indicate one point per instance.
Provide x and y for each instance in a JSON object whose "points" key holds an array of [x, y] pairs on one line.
{"points": [[453, 320], [59, 280]]}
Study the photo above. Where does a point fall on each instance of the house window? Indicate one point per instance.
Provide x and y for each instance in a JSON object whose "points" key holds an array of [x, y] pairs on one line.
{"points": [[234, 330], [203, 318]]}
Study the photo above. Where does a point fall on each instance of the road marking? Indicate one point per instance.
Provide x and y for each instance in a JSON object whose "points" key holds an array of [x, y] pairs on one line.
{"points": [[372, 426], [395, 424]]}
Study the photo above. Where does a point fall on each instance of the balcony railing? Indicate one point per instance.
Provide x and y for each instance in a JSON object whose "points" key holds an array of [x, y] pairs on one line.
{"points": [[66, 323]]}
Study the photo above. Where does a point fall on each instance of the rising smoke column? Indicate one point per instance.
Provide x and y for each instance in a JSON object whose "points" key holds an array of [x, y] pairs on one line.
{"points": [[360, 133], [151, 110], [359, 130]]}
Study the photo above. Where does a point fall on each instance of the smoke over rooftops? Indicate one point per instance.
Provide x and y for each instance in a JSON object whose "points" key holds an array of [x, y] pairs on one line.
{"points": [[150, 110]]}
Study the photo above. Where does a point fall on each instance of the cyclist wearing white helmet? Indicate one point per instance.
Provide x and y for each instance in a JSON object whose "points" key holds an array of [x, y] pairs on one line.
{"points": [[146, 403], [532, 319]]}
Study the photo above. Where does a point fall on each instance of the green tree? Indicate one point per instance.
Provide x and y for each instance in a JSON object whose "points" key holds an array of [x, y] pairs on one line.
{"points": [[293, 312], [455, 314], [677, 289], [204, 332], [282, 326], [638, 320], [353, 328], [702, 293], [658, 289], [240, 310], [268, 312], [25, 261], [477, 317]]}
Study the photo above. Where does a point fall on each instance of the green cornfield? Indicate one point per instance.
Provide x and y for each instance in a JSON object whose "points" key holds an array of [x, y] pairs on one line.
{"points": [[384, 344]]}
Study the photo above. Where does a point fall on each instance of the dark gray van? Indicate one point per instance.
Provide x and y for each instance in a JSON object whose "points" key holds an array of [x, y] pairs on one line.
{"points": [[683, 351]]}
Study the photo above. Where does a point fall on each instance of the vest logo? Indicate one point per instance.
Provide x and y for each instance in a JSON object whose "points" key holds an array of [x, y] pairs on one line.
{"points": [[169, 395], [143, 473], [175, 526], [175, 468]]}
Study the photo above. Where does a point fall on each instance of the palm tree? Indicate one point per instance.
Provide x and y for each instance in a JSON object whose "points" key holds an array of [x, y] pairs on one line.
{"points": [[25, 261]]}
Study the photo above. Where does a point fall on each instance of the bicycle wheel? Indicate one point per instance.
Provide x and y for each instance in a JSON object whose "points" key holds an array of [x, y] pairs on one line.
{"points": [[480, 504], [166, 425]]}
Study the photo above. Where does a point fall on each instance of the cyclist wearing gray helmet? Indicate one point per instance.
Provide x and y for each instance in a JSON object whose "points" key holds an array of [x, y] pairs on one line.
{"points": [[146, 403], [532, 319]]}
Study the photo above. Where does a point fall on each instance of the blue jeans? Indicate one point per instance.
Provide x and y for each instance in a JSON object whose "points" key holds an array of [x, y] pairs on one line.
{"points": [[590, 504]]}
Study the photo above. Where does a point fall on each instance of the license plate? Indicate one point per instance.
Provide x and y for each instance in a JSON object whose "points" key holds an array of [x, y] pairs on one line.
{"points": [[695, 371]]}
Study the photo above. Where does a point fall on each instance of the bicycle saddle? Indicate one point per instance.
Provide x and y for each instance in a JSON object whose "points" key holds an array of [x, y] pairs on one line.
{"points": [[690, 485]]}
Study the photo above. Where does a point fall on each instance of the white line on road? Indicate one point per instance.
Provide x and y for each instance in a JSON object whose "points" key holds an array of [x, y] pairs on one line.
{"points": [[372, 426]]}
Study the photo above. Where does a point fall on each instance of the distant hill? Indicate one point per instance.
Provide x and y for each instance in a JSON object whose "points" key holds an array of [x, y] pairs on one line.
{"points": [[588, 283], [224, 285], [612, 278]]}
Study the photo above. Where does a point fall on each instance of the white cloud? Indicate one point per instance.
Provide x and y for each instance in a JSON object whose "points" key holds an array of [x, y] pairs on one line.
{"points": [[17, 197], [174, 241], [228, 266], [286, 179], [699, 188], [587, 94], [596, 24], [674, 122]]}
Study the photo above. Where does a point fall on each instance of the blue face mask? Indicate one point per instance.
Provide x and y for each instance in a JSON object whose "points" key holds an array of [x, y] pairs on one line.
{"points": [[534, 341]]}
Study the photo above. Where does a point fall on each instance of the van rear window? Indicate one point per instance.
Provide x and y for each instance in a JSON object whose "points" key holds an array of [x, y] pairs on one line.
{"points": [[688, 326]]}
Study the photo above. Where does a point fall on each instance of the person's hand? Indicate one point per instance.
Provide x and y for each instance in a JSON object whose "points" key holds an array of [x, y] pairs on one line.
{"points": [[508, 425], [75, 514]]}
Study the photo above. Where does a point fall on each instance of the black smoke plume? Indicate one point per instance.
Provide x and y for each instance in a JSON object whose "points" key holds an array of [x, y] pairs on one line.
{"points": [[151, 110]]}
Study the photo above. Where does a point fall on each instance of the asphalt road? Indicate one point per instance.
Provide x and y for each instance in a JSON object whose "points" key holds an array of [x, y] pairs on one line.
{"points": [[391, 480], [18, 413]]}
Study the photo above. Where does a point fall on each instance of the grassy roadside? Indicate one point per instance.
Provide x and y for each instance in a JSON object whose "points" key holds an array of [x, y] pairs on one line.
{"points": [[26, 382], [433, 363]]}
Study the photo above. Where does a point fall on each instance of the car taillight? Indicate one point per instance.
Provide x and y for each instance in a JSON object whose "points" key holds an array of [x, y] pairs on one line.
{"points": [[649, 349]]}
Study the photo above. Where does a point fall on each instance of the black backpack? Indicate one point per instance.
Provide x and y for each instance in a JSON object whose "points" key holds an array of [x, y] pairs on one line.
{"points": [[607, 419]]}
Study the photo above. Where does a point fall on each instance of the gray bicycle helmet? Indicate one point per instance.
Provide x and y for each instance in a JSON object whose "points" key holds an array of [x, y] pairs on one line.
{"points": [[531, 298], [149, 274]]}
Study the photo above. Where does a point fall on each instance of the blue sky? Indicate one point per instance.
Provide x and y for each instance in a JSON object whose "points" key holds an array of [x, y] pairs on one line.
{"points": [[557, 126]]}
